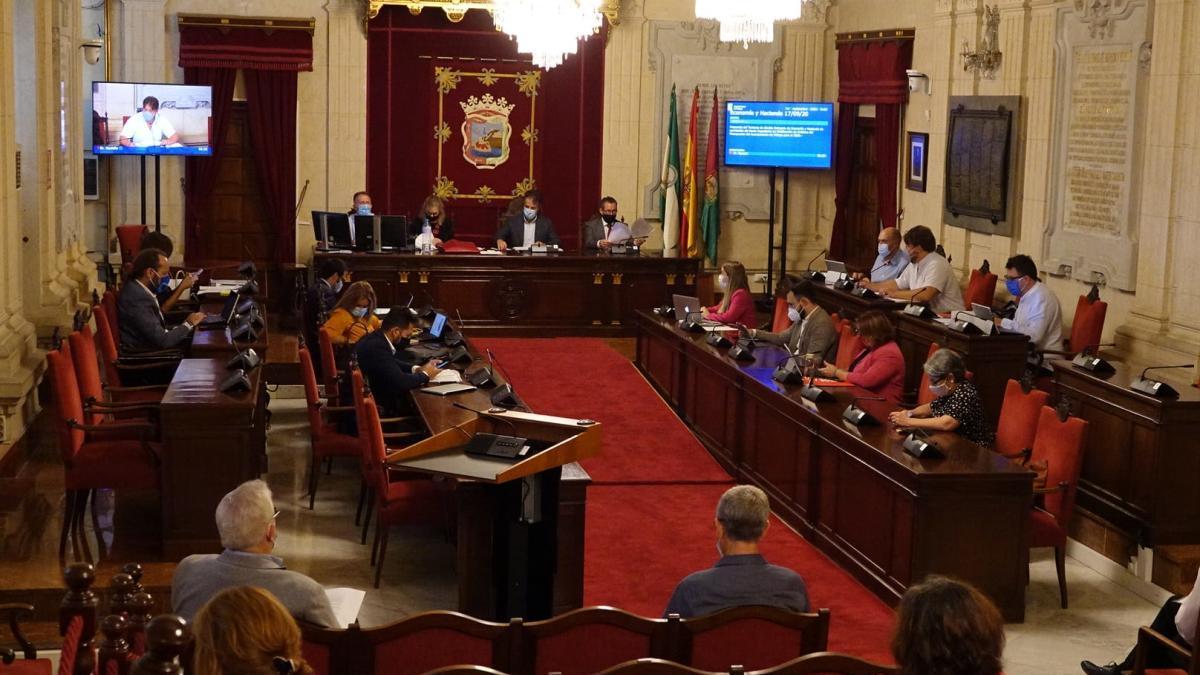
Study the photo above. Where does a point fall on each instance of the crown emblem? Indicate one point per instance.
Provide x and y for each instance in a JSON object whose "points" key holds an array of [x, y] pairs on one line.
{"points": [[487, 103]]}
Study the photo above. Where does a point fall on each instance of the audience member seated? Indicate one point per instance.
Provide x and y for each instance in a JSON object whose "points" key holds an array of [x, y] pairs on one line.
{"points": [[1038, 313], [354, 315], [929, 279], [389, 372], [434, 214], [946, 627], [879, 368], [742, 576], [332, 275], [245, 631], [891, 260], [1176, 621], [529, 227], [812, 330], [956, 406], [246, 523], [737, 307], [142, 324]]}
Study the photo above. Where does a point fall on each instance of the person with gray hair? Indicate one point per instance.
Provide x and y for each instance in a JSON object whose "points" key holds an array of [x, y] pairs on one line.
{"points": [[956, 405], [246, 522], [742, 576]]}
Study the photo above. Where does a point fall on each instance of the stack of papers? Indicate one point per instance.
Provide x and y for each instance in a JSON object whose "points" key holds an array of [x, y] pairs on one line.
{"points": [[345, 602]]}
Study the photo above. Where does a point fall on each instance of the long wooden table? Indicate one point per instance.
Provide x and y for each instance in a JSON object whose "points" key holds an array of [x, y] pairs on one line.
{"points": [[1141, 461], [889, 518], [532, 295], [850, 306]]}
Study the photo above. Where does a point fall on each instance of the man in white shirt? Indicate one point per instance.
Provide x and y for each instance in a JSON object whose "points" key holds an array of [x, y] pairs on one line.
{"points": [[1038, 313], [929, 279], [148, 128], [1176, 621]]}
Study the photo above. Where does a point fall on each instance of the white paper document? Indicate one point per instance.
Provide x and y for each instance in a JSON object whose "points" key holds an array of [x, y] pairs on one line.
{"points": [[345, 603], [448, 376], [619, 233]]}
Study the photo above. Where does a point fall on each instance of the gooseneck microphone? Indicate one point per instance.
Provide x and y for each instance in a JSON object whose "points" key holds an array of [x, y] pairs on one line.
{"points": [[815, 276], [1150, 368], [1156, 387]]}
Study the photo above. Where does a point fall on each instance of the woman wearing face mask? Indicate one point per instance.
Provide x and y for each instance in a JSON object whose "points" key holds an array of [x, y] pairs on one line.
{"points": [[433, 213], [957, 406], [737, 307], [354, 315], [879, 367]]}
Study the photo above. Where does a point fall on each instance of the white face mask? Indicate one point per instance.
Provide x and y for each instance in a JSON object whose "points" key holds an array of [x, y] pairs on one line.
{"points": [[723, 281], [359, 312], [939, 390], [794, 314]]}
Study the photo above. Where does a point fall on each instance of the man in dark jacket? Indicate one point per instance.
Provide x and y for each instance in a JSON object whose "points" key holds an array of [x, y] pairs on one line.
{"points": [[389, 372], [528, 227], [142, 324]]}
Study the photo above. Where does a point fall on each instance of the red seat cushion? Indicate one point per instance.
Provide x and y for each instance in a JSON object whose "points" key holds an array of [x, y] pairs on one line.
{"points": [[333, 444], [752, 643], [27, 667], [120, 465], [589, 648], [1044, 530], [1165, 671], [430, 649]]}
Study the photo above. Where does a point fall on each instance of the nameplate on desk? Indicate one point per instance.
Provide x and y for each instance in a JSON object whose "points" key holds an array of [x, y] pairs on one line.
{"points": [[1091, 363], [919, 311], [1154, 388]]}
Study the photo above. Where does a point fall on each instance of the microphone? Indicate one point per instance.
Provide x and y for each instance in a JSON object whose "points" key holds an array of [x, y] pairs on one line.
{"points": [[1088, 360], [491, 416], [785, 375], [1149, 368], [856, 415], [1156, 387], [917, 444], [719, 341], [504, 395], [428, 311], [688, 324], [815, 276]]}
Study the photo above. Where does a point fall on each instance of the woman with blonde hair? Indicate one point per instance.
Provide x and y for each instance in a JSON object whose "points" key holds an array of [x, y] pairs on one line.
{"points": [[354, 315], [737, 307], [246, 631], [433, 212]]}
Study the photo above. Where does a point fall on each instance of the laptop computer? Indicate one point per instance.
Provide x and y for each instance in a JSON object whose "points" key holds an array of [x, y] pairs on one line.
{"points": [[221, 320], [687, 307], [982, 311]]}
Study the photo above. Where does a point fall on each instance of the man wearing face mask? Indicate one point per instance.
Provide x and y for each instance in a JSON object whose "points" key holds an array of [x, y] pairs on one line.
{"points": [[928, 279], [529, 227], [742, 576], [812, 330], [597, 229], [362, 207], [892, 258], [384, 363], [142, 324], [167, 297], [148, 128], [1038, 313]]}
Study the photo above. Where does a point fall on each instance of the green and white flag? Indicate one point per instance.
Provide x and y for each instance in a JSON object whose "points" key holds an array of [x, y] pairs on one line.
{"points": [[670, 185]]}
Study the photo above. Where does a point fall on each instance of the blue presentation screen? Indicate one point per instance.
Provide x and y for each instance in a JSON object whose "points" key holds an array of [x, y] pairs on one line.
{"points": [[780, 134]]}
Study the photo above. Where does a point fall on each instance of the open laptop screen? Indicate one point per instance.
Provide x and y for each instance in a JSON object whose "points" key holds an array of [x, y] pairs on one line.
{"points": [[438, 327]]}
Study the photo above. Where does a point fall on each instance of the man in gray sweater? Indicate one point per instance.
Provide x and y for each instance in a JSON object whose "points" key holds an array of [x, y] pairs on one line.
{"points": [[246, 522]]}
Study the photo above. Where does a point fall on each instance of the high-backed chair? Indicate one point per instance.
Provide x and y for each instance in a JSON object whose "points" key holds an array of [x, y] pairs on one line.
{"points": [[981, 287], [849, 345], [1059, 447], [754, 637], [591, 639], [95, 456], [108, 304], [367, 466], [1087, 326], [330, 373], [105, 403], [130, 373], [923, 394], [1018, 420], [830, 663], [434, 640], [129, 241], [779, 319], [326, 442]]}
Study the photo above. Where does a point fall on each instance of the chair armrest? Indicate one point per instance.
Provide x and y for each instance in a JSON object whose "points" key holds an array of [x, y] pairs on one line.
{"points": [[1023, 454], [119, 406], [15, 611], [144, 427], [146, 364], [1147, 636], [338, 408], [1061, 487], [129, 390]]}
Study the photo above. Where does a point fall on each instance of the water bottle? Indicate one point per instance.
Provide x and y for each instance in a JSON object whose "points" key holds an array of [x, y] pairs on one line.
{"points": [[426, 239]]}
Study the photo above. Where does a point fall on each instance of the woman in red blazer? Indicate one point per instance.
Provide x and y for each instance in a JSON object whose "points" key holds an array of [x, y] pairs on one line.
{"points": [[738, 306], [880, 367]]}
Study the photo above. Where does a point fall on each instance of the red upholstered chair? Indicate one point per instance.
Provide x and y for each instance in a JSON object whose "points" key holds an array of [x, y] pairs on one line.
{"points": [[1149, 638], [108, 303], [1059, 445], [30, 664], [779, 320], [829, 663], [923, 394], [849, 345], [657, 667], [129, 240], [981, 287], [1088, 324], [118, 373], [434, 640], [329, 369], [591, 639], [95, 456], [754, 637], [326, 441], [1018, 420], [102, 404]]}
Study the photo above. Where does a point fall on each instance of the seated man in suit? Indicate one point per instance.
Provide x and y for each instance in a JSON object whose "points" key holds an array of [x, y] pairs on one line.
{"points": [[1176, 621], [246, 523], [529, 227], [597, 229], [142, 324], [812, 330], [389, 372], [167, 297], [742, 576]]}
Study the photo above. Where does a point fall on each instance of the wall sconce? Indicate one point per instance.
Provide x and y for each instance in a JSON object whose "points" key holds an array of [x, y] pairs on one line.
{"points": [[92, 49], [915, 77], [986, 60]]}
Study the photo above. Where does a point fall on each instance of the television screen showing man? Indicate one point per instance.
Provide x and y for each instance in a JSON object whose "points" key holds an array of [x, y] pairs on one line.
{"points": [[151, 119]]}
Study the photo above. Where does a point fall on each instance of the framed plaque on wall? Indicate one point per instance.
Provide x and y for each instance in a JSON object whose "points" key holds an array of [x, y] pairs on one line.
{"points": [[981, 163], [918, 160]]}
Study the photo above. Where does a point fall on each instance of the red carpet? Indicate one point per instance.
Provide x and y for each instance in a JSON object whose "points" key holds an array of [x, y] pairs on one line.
{"points": [[643, 538]]}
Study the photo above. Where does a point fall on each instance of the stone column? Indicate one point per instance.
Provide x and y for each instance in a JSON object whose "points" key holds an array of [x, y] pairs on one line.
{"points": [[624, 78]]}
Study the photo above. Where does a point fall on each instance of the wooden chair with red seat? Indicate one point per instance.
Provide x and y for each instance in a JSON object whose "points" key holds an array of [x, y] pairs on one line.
{"points": [[1058, 450], [1149, 639], [590, 639], [439, 639], [981, 287], [326, 441], [96, 456], [659, 667], [754, 637], [831, 663], [13, 613], [119, 372], [330, 373], [923, 394], [1019, 414], [1086, 328], [129, 241], [779, 319], [101, 403], [108, 304], [849, 345]]}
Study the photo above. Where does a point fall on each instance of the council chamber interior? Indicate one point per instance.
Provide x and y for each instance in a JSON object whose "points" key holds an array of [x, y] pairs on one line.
{"points": [[463, 330]]}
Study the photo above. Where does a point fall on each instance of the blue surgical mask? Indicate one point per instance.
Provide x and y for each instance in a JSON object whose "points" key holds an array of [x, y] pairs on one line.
{"points": [[794, 314], [363, 209], [164, 284], [530, 214], [148, 116], [1013, 286], [883, 249], [359, 312]]}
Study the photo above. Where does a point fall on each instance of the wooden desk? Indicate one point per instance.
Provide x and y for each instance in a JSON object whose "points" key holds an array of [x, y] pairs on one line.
{"points": [[533, 295], [992, 359], [850, 306], [1141, 461], [477, 529], [887, 517], [212, 442]]}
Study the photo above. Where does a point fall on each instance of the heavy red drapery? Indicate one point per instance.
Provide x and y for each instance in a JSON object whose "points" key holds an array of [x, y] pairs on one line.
{"points": [[870, 72], [270, 60]]}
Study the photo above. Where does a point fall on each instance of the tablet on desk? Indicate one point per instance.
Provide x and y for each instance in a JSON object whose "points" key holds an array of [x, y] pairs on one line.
{"points": [[448, 389]]}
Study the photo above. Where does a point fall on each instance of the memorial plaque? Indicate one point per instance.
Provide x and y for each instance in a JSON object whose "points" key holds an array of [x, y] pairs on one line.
{"points": [[980, 159]]}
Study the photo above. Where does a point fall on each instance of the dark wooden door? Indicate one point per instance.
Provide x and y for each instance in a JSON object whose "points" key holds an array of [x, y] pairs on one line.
{"points": [[238, 228], [864, 190]]}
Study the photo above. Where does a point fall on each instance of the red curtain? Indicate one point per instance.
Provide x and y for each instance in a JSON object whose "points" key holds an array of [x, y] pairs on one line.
{"points": [[870, 72], [271, 115], [200, 173], [246, 48]]}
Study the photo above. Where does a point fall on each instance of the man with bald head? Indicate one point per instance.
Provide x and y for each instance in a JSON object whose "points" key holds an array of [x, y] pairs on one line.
{"points": [[892, 258]]}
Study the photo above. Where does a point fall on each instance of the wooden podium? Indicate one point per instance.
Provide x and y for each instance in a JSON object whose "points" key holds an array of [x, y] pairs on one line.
{"points": [[507, 509]]}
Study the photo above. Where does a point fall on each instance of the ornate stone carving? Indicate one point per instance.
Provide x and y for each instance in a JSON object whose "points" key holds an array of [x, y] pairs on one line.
{"points": [[1145, 54], [1100, 15], [510, 298]]}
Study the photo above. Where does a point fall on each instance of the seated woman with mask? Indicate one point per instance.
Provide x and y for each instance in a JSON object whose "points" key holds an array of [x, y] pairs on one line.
{"points": [[737, 307], [354, 315], [957, 406], [879, 368], [433, 213]]}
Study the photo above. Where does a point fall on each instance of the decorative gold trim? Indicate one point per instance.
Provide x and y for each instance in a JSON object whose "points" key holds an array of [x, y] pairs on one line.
{"points": [[266, 23], [876, 36], [488, 77], [422, 277], [597, 278], [404, 277], [456, 9], [485, 194], [617, 278], [442, 132], [671, 279], [689, 279]]}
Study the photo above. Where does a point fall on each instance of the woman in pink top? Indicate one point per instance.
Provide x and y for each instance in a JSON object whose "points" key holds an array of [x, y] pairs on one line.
{"points": [[738, 306], [880, 367]]}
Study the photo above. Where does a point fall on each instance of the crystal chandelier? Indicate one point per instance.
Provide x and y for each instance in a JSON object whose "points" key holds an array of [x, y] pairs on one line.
{"points": [[747, 21], [548, 30]]}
